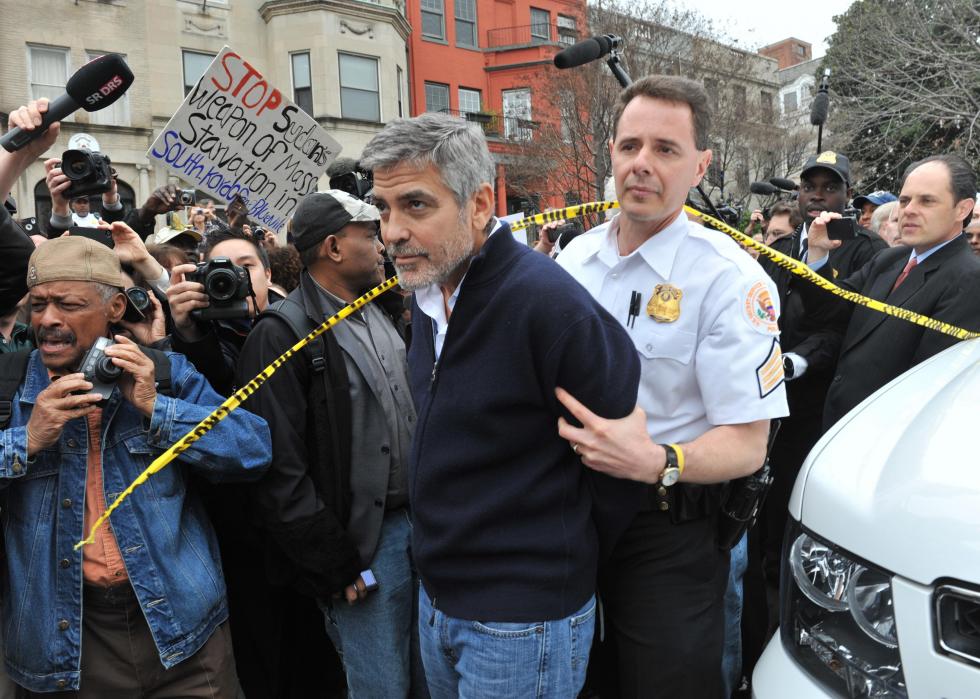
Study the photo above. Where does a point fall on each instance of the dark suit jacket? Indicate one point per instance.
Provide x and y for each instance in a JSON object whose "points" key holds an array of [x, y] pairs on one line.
{"points": [[876, 347], [799, 334]]}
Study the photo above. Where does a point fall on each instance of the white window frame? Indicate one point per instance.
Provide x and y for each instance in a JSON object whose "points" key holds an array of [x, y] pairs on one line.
{"points": [[292, 76], [377, 68], [469, 92], [65, 51], [116, 114], [183, 66], [511, 128], [547, 24], [425, 96]]}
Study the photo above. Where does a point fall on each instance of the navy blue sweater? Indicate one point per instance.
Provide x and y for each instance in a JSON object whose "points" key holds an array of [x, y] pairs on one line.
{"points": [[507, 520]]}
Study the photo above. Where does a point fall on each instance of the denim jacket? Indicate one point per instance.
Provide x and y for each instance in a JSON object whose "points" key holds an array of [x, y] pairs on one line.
{"points": [[165, 539]]}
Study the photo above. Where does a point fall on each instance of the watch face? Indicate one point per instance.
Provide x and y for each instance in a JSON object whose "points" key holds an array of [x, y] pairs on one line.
{"points": [[670, 476]]}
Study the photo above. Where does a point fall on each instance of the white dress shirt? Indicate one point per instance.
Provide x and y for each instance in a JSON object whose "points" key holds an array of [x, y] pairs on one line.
{"points": [[719, 362]]}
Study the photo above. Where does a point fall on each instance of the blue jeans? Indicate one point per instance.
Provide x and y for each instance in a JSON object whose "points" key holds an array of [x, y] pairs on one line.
{"points": [[731, 661], [495, 660], [377, 637]]}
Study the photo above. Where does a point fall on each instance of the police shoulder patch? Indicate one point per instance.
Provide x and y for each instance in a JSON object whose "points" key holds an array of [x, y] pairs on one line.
{"points": [[769, 375], [759, 309]]}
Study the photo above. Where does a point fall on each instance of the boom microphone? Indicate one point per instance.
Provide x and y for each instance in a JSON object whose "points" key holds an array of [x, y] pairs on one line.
{"points": [[787, 185], [819, 108], [586, 51], [95, 86], [763, 188]]}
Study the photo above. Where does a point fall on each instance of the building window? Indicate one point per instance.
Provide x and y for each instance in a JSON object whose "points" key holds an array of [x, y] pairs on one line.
{"points": [[436, 97], [302, 81], [800, 50], [49, 71], [117, 113], [195, 65], [567, 30], [738, 93], [434, 19], [765, 106], [789, 102], [517, 114], [359, 88], [466, 23], [400, 76], [469, 101], [540, 24]]}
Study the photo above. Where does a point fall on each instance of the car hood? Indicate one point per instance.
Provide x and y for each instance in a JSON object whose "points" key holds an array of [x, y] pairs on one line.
{"points": [[897, 480]]}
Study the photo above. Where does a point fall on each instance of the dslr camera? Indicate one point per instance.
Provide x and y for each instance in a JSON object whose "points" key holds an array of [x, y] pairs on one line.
{"points": [[99, 369], [90, 173], [228, 287]]}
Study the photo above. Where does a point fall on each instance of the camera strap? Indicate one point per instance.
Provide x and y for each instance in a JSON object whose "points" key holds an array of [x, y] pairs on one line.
{"points": [[13, 367]]}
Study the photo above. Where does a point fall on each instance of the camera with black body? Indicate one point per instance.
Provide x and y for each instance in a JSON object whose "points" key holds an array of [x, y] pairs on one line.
{"points": [[99, 370], [138, 304], [186, 197], [228, 287], [89, 172]]}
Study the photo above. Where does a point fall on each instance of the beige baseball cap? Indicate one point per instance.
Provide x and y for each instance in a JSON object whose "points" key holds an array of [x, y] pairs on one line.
{"points": [[73, 258]]}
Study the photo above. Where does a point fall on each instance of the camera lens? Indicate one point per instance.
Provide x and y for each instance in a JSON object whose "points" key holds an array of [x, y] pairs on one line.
{"points": [[138, 297], [76, 165], [221, 284], [106, 371]]}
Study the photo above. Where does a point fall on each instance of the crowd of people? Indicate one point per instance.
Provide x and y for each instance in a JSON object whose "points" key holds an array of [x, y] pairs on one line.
{"points": [[509, 477]]}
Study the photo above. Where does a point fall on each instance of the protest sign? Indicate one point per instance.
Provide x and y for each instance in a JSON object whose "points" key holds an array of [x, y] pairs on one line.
{"points": [[237, 135]]}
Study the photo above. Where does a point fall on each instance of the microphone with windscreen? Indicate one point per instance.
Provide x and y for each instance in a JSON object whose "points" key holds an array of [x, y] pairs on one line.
{"points": [[586, 51], [785, 184], [95, 86], [763, 189], [819, 108]]}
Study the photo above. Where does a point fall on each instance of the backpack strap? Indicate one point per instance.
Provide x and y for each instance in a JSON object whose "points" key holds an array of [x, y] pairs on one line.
{"points": [[161, 369], [294, 315], [13, 367]]}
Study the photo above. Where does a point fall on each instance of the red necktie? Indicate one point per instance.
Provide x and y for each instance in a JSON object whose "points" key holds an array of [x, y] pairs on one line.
{"points": [[905, 272]]}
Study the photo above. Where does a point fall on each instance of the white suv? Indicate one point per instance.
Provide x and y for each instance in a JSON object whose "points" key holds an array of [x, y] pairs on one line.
{"points": [[881, 593]]}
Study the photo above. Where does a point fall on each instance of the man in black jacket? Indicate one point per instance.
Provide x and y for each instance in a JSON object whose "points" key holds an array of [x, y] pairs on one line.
{"points": [[334, 504], [934, 274], [809, 356]]}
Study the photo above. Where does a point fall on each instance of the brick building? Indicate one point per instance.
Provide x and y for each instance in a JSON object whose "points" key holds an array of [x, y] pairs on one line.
{"points": [[485, 61]]}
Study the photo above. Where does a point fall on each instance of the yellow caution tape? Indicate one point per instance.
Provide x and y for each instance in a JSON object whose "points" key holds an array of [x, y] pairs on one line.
{"points": [[235, 400], [593, 207], [796, 267], [800, 269]]}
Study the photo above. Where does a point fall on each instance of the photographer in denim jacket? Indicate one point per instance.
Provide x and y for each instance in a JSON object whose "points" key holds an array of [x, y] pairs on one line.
{"points": [[155, 613]]}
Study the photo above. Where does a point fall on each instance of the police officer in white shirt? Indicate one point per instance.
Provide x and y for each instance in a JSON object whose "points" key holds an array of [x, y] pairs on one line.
{"points": [[703, 316]]}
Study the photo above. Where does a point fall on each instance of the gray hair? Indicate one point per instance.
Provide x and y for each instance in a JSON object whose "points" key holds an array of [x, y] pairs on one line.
{"points": [[456, 147], [106, 292], [881, 215]]}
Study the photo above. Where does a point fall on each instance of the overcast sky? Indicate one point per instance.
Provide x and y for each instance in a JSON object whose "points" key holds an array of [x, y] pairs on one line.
{"points": [[756, 23]]}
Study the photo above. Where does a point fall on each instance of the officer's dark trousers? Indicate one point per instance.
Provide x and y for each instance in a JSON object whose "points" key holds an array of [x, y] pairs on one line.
{"points": [[663, 590]]}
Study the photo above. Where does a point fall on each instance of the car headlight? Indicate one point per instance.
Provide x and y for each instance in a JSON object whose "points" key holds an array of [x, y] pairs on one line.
{"points": [[838, 621]]}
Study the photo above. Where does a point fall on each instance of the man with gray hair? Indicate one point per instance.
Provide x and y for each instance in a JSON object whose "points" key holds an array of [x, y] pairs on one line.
{"points": [[508, 524]]}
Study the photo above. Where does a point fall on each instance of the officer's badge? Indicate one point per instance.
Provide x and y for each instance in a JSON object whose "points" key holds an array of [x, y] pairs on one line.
{"points": [[828, 156], [665, 304]]}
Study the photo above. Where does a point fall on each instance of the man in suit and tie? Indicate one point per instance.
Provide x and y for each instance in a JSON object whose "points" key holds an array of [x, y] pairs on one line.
{"points": [[809, 358], [934, 274]]}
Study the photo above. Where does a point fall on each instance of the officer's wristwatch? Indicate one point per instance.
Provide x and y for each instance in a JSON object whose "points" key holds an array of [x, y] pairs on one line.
{"points": [[675, 464]]}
